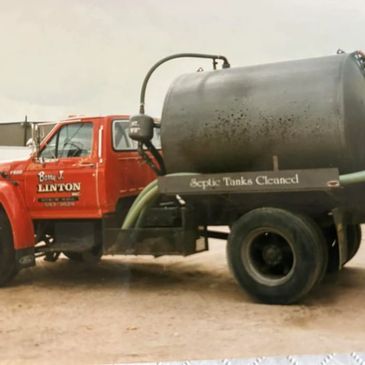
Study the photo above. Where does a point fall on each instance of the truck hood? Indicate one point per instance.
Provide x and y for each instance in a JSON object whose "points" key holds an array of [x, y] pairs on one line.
{"points": [[14, 159], [13, 168]]}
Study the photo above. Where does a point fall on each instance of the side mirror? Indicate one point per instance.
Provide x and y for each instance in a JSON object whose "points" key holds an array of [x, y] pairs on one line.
{"points": [[141, 128]]}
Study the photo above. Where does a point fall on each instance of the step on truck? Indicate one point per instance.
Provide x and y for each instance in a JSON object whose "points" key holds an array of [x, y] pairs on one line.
{"points": [[275, 152]]}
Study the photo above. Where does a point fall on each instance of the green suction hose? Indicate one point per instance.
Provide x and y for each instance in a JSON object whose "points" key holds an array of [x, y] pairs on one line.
{"points": [[353, 178], [145, 190], [144, 200]]}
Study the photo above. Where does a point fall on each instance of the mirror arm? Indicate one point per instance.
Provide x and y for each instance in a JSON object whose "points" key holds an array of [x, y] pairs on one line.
{"points": [[36, 138]]}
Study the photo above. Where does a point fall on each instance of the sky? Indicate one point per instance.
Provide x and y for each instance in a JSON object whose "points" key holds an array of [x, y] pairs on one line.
{"points": [[89, 57]]}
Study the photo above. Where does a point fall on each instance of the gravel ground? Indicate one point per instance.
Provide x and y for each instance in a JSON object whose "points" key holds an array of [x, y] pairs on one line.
{"points": [[144, 309]]}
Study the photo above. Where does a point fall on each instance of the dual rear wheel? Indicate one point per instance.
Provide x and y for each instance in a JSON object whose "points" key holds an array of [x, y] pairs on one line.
{"points": [[277, 256]]}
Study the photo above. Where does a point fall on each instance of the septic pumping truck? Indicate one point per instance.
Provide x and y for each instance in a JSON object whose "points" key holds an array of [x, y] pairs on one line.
{"points": [[275, 152]]}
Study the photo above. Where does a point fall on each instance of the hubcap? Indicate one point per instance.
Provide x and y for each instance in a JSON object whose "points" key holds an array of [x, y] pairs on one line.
{"points": [[272, 255], [268, 256]]}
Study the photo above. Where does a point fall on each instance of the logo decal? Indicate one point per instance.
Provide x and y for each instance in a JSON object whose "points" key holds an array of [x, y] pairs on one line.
{"points": [[52, 183], [43, 177], [59, 188]]}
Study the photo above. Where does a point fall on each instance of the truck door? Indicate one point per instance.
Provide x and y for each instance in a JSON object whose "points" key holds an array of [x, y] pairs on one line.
{"points": [[63, 183], [130, 172]]}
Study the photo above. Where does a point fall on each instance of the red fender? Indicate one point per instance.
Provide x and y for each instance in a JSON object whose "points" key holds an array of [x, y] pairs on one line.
{"points": [[11, 199]]}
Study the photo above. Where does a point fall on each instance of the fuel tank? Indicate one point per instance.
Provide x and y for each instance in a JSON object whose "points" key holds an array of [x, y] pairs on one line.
{"points": [[309, 113]]}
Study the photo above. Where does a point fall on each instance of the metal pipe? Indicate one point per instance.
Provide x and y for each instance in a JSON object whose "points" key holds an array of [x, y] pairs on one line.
{"points": [[178, 55]]}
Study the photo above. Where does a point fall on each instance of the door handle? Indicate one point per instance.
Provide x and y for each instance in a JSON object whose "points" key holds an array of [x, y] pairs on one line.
{"points": [[85, 164]]}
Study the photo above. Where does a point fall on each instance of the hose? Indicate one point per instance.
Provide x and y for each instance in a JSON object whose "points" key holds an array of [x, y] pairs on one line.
{"points": [[144, 191], [144, 200], [352, 178], [144, 211]]}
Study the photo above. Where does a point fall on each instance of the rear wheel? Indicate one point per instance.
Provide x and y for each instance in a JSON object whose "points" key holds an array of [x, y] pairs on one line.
{"points": [[276, 255], [7, 253]]}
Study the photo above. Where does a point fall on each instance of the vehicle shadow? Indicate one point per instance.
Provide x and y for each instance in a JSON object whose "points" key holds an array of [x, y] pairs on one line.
{"points": [[338, 286], [177, 275], [133, 275]]}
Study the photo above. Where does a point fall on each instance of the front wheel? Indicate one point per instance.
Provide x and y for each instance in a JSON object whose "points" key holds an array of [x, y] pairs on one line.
{"points": [[276, 255], [7, 253]]}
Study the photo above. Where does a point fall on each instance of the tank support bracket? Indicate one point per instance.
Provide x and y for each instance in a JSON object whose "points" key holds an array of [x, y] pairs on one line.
{"points": [[340, 220]]}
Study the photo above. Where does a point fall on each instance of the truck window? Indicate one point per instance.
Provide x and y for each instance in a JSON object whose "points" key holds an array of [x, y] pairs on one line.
{"points": [[121, 140], [49, 151], [72, 140]]}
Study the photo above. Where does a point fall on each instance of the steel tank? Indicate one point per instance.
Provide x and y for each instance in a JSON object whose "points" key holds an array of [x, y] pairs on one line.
{"points": [[309, 113]]}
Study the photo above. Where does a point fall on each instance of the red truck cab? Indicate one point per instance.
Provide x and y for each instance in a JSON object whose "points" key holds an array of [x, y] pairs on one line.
{"points": [[87, 168]]}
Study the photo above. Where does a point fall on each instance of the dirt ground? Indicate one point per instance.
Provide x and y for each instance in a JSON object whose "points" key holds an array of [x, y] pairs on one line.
{"points": [[145, 309]]}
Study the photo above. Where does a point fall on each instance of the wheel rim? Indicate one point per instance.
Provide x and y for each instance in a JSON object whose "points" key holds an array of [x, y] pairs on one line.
{"points": [[268, 256]]}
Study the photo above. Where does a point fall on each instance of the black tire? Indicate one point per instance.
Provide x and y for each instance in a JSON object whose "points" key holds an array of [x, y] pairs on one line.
{"points": [[324, 247], [276, 255], [7, 253], [353, 240]]}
